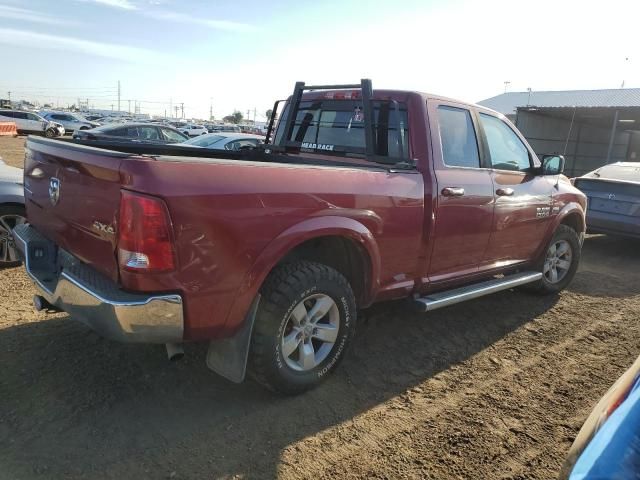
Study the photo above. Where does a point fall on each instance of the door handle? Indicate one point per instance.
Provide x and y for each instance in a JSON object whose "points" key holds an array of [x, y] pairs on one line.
{"points": [[504, 192], [453, 191]]}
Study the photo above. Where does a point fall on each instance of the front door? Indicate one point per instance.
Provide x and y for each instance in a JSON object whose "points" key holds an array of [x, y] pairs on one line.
{"points": [[464, 212], [522, 197]]}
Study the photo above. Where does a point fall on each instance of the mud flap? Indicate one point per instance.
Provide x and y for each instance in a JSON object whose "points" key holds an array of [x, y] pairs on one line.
{"points": [[228, 356]]}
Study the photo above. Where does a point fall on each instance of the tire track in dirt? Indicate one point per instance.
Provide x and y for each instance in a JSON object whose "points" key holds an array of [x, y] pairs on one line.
{"points": [[352, 444]]}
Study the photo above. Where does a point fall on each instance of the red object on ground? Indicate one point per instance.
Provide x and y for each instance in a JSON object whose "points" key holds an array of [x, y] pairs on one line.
{"points": [[8, 129]]}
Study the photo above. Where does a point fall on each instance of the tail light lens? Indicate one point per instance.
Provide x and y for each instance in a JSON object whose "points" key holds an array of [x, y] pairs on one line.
{"points": [[144, 242]]}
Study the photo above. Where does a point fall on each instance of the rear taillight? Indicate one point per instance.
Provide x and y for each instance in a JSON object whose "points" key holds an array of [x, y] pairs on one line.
{"points": [[144, 240]]}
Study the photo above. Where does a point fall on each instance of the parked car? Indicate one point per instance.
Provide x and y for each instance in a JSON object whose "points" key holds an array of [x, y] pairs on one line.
{"points": [[268, 254], [614, 199], [608, 444], [138, 132], [193, 130], [226, 141], [31, 123], [224, 128], [69, 121], [12, 212]]}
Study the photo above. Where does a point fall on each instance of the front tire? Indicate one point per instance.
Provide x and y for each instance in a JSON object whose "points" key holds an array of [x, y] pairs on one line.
{"points": [[560, 262], [305, 321]]}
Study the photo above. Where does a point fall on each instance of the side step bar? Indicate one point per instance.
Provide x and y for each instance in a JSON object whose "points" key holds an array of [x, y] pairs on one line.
{"points": [[450, 297]]}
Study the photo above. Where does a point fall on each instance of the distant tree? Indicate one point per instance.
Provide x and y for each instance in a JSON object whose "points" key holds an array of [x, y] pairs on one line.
{"points": [[235, 117], [268, 114]]}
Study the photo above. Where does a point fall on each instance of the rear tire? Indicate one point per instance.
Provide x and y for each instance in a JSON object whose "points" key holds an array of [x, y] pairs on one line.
{"points": [[559, 263], [305, 321]]}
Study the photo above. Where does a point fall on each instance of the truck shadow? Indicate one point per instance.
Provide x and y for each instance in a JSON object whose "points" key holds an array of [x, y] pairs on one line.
{"points": [[76, 405], [610, 267]]}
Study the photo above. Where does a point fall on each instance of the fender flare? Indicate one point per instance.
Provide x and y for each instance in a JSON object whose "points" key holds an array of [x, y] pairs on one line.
{"points": [[289, 239], [228, 357], [571, 208]]}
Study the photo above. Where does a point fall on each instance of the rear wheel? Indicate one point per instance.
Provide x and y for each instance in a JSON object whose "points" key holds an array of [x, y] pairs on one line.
{"points": [[49, 133], [305, 321], [560, 262], [10, 217]]}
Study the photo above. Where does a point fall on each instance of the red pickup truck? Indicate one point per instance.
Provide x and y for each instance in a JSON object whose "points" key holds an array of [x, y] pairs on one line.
{"points": [[358, 196]]}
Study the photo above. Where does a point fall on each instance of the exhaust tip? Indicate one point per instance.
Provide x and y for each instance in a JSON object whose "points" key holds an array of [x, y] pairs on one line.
{"points": [[39, 303], [174, 351]]}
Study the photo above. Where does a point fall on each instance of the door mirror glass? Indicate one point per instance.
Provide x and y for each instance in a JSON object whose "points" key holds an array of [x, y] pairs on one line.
{"points": [[552, 164]]}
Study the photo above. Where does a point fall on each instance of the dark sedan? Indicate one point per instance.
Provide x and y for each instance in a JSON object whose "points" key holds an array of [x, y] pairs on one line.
{"points": [[136, 132], [614, 199]]}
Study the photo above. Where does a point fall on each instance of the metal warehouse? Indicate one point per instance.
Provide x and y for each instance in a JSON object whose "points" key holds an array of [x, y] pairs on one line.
{"points": [[589, 127]]}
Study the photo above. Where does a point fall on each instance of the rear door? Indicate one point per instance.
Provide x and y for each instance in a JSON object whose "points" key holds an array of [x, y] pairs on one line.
{"points": [[21, 121], [464, 212], [522, 198]]}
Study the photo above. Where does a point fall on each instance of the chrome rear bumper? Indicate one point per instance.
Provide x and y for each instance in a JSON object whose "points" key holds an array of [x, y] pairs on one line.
{"points": [[96, 300]]}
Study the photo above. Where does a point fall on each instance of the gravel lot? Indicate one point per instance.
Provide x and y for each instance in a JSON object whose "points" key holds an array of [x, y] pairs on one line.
{"points": [[12, 150], [492, 389]]}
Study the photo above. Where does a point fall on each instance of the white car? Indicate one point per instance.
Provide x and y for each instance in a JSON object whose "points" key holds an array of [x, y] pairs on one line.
{"points": [[29, 122], [71, 122], [226, 141], [193, 130]]}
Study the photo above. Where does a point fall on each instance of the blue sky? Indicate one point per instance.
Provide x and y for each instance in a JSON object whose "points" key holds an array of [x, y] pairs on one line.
{"points": [[246, 54]]}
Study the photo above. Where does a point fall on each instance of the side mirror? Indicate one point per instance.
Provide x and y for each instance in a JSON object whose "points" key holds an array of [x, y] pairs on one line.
{"points": [[552, 164]]}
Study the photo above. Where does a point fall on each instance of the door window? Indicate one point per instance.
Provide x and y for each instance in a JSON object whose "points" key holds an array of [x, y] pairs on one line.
{"points": [[505, 148], [457, 137], [148, 133], [172, 136]]}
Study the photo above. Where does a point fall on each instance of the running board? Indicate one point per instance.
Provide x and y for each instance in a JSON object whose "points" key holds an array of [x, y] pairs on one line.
{"points": [[451, 297]]}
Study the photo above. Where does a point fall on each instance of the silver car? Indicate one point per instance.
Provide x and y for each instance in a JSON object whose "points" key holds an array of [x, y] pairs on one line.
{"points": [[69, 121], [226, 141], [12, 212], [29, 122], [613, 193]]}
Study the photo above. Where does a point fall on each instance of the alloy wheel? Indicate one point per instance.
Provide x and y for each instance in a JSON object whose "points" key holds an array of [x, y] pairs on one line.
{"points": [[310, 332]]}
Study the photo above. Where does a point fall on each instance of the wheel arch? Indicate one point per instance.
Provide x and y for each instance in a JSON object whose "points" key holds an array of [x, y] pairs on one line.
{"points": [[339, 242]]}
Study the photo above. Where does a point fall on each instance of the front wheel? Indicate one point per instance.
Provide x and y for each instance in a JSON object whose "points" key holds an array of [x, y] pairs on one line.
{"points": [[560, 261], [305, 321]]}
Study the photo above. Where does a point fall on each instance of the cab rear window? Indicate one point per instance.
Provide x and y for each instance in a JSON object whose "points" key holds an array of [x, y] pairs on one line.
{"points": [[333, 124]]}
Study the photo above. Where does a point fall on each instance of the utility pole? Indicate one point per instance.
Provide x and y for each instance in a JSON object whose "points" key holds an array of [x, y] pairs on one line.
{"points": [[506, 85], [177, 108], [254, 115], [9, 94], [129, 106], [529, 96], [118, 95], [210, 108], [182, 108]]}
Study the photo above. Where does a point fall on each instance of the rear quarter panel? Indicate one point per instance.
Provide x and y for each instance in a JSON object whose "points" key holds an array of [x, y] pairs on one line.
{"points": [[233, 221]]}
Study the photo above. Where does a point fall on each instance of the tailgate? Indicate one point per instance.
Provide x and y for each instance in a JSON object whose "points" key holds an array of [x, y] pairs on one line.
{"points": [[72, 196], [616, 197]]}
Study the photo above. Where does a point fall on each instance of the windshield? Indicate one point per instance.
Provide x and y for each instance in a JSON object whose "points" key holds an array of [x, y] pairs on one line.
{"points": [[205, 140]]}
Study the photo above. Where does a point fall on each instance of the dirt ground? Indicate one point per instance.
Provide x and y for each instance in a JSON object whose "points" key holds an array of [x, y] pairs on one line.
{"points": [[12, 150], [495, 388]]}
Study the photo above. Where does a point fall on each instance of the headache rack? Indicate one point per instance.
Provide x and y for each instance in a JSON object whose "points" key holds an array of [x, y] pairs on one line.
{"points": [[285, 144]]}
